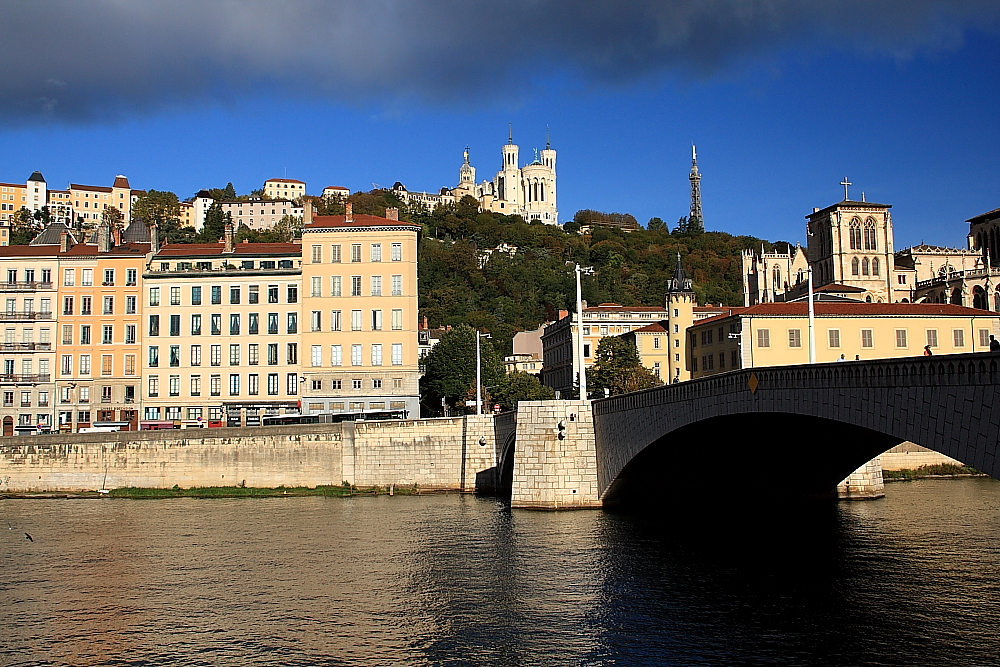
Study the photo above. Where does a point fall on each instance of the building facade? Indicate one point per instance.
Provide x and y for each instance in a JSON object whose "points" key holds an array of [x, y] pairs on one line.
{"points": [[284, 188], [258, 213]]}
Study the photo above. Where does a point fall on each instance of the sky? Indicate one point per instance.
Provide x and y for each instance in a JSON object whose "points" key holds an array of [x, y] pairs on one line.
{"points": [[784, 98]]}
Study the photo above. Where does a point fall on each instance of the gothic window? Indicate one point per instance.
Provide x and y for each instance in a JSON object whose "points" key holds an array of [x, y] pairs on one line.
{"points": [[855, 267], [875, 267], [996, 301], [956, 296], [870, 241], [864, 266], [542, 186], [855, 233]]}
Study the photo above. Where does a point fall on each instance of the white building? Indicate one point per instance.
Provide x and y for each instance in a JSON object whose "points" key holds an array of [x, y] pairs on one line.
{"points": [[284, 188], [259, 213]]}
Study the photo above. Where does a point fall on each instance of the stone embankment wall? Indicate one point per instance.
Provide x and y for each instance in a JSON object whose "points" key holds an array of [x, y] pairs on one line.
{"points": [[910, 456], [432, 453]]}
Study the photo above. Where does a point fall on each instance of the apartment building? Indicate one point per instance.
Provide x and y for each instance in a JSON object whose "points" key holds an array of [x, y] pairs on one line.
{"points": [[13, 196], [777, 334], [360, 342], [221, 332], [258, 213], [89, 201], [284, 188], [336, 192]]}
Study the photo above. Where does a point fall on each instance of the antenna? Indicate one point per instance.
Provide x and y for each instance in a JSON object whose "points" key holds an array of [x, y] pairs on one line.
{"points": [[548, 138], [510, 140]]}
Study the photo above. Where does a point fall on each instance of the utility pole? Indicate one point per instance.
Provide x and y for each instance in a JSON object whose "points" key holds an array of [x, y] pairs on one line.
{"points": [[579, 339], [812, 320]]}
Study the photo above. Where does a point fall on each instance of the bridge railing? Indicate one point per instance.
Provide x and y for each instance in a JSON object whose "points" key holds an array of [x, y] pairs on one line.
{"points": [[954, 369]]}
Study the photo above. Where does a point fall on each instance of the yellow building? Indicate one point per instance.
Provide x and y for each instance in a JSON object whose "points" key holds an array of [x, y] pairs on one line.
{"points": [[221, 332], [13, 196], [777, 334], [360, 342], [284, 188]]}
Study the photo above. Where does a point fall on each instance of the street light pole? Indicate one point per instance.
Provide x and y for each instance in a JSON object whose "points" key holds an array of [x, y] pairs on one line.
{"points": [[579, 330], [812, 320], [479, 377]]}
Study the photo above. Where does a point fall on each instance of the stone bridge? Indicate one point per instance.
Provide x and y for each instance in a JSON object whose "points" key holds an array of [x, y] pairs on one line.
{"points": [[764, 432]]}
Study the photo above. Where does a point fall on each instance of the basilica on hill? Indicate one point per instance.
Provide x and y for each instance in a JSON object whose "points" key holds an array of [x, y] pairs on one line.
{"points": [[528, 191], [853, 257]]}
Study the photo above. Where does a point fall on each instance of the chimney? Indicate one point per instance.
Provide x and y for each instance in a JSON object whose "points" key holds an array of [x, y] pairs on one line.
{"points": [[230, 238], [563, 314], [307, 212], [103, 238], [116, 234], [425, 323], [64, 242], [154, 239], [392, 213], [350, 212]]}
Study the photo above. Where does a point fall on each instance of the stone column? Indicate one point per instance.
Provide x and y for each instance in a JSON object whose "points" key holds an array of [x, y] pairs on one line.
{"points": [[865, 483]]}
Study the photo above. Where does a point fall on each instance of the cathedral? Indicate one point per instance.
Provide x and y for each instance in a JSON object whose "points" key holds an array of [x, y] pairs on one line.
{"points": [[528, 191]]}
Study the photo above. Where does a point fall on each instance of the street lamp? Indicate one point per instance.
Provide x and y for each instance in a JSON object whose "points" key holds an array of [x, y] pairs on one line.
{"points": [[579, 326], [812, 320], [479, 373]]}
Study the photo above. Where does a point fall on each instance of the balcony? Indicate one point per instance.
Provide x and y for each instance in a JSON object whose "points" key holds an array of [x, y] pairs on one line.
{"points": [[25, 404], [12, 315], [25, 286], [10, 378], [25, 347]]}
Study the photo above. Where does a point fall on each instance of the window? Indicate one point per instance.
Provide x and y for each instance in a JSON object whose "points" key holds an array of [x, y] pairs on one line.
{"points": [[875, 266], [292, 323], [984, 338], [317, 385], [356, 384], [272, 294], [292, 353], [337, 384], [355, 285], [376, 285], [234, 354], [154, 325], [216, 295], [131, 303], [66, 367], [131, 277], [735, 361], [272, 323], [397, 319], [69, 277], [154, 356], [397, 383], [175, 325], [234, 324], [216, 324], [195, 295], [196, 324], [272, 384], [355, 320], [175, 385], [900, 337], [272, 354], [586, 350], [253, 354], [130, 334], [292, 293], [335, 286], [234, 384], [175, 296], [84, 334], [336, 324], [694, 364], [356, 355], [376, 355], [292, 383], [130, 364], [958, 335], [317, 355], [867, 338], [67, 305], [397, 285], [376, 320], [656, 342], [795, 338], [154, 386], [154, 296], [84, 364], [253, 384], [215, 355], [377, 384], [195, 357], [397, 354], [109, 277], [88, 277], [376, 252], [315, 320], [317, 254], [834, 337], [336, 355], [109, 305], [763, 338], [397, 252], [932, 337], [253, 323], [253, 294], [107, 334], [234, 295], [335, 254], [175, 356], [215, 385], [316, 288], [355, 252]]}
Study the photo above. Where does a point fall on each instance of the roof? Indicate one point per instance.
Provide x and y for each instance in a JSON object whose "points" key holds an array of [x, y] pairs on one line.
{"points": [[848, 202], [284, 180], [136, 232], [13, 185], [985, 217], [78, 250], [854, 309], [36, 176], [92, 188], [336, 187], [655, 327], [839, 287], [615, 307], [361, 220], [52, 235], [121, 182], [218, 249], [924, 247]]}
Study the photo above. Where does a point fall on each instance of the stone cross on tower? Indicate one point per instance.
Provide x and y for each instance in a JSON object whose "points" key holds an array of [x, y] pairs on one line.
{"points": [[846, 183]]}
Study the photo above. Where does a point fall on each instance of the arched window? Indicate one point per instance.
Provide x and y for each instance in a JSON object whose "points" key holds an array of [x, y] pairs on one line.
{"points": [[904, 300], [956, 296], [870, 241], [868, 299], [542, 187], [996, 301], [855, 233], [864, 266], [777, 278], [855, 267], [875, 267], [979, 298]]}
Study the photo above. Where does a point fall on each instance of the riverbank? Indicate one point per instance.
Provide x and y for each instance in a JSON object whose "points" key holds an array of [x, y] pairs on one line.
{"points": [[937, 471], [136, 493]]}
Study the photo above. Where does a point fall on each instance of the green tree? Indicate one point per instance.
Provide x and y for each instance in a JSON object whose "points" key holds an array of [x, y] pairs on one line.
{"points": [[215, 224], [269, 235], [618, 369], [289, 228], [450, 370], [43, 217], [24, 227], [112, 217], [521, 386], [656, 225], [163, 210]]}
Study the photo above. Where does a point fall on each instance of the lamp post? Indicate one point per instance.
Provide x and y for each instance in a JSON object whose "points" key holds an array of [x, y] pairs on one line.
{"points": [[812, 320], [479, 373], [579, 270]]}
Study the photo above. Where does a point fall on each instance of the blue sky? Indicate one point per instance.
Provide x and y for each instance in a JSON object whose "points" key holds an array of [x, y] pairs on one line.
{"points": [[916, 126]]}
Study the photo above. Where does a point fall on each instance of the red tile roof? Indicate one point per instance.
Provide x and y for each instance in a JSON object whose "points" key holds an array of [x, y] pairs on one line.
{"points": [[285, 180], [92, 188], [614, 307], [217, 249], [361, 220], [845, 309], [655, 327], [121, 182], [78, 250]]}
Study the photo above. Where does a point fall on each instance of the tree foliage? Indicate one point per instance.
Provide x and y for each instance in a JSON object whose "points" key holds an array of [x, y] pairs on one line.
{"points": [[521, 386], [618, 369], [450, 371], [162, 209], [24, 227], [215, 224]]}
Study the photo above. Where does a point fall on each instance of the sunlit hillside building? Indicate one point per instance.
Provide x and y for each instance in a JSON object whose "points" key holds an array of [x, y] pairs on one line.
{"points": [[336, 192], [257, 213], [360, 340], [284, 188], [89, 201]]}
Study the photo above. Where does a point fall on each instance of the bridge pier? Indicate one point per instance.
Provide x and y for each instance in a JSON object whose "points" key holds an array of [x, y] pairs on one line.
{"points": [[555, 465], [865, 483]]}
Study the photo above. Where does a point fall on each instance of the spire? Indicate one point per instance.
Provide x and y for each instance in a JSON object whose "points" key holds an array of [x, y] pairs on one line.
{"points": [[680, 282], [510, 139], [696, 221], [548, 138], [466, 155]]}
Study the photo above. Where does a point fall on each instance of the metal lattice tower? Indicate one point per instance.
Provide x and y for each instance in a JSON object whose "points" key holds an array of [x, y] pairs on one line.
{"points": [[695, 177]]}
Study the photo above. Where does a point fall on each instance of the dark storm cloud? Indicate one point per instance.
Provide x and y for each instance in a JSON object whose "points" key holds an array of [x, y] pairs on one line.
{"points": [[96, 59]]}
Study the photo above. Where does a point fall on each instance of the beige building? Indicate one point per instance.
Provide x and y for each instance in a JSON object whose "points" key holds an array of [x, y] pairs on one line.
{"points": [[89, 201], [222, 332], [777, 334], [284, 188], [258, 213], [336, 192], [360, 337]]}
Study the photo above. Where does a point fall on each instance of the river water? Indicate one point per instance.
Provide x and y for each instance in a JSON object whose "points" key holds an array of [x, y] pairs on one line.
{"points": [[913, 579]]}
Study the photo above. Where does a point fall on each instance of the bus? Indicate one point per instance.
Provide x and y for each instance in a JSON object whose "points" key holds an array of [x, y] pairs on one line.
{"points": [[379, 415], [282, 420]]}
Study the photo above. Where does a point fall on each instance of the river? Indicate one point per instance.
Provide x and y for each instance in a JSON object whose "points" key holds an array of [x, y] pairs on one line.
{"points": [[912, 579]]}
